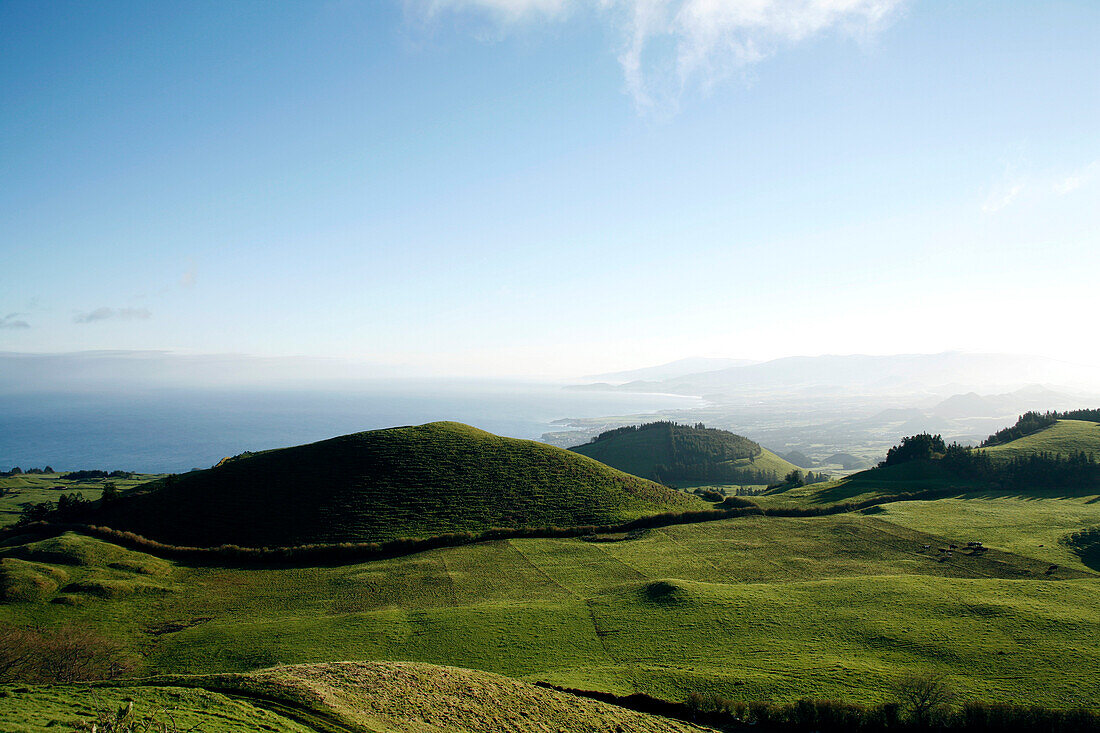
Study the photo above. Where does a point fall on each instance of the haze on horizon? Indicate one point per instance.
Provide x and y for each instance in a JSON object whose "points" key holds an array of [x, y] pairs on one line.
{"points": [[549, 188]]}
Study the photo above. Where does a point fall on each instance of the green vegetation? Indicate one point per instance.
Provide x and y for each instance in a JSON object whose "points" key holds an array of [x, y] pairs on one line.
{"points": [[385, 484], [34, 488], [1033, 422], [50, 709], [391, 697], [1063, 437], [720, 607], [978, 577], [683, 454]]}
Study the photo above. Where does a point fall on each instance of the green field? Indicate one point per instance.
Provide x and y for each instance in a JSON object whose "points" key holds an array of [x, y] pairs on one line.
{"points": [[34, 488], [753, 608]]}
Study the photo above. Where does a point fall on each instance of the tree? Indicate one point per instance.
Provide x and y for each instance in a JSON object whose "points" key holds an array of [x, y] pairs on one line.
{"points": [[922, 695], [794, 478], [110, 493]]}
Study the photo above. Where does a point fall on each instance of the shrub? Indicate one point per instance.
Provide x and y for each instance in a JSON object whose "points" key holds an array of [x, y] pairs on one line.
{"points": [[70, 653]]}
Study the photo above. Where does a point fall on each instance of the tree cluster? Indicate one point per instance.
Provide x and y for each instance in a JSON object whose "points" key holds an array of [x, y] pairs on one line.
{"points": [[68, 508], [92, 474], [1036, 470], [924, 446]]}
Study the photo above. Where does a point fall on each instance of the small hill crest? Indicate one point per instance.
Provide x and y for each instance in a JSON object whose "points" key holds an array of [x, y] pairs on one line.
{"points": [[414, 481]]}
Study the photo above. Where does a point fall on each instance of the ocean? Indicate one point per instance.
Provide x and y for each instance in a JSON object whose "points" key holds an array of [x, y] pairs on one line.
{"points": [[157, 431]]}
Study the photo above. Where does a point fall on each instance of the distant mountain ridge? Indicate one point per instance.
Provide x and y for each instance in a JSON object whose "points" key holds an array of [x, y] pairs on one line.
{"points": [[945, 373], [678, 368]]}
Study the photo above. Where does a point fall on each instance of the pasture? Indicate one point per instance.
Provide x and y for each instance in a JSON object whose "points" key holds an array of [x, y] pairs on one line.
{"points": [[755, 608]]}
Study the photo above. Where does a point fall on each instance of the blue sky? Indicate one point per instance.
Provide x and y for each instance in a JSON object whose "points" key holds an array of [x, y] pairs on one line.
{"points": [[550, 187]]}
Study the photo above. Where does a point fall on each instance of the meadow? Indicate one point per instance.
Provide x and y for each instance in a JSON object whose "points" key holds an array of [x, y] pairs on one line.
{"points": [[755, 608]]}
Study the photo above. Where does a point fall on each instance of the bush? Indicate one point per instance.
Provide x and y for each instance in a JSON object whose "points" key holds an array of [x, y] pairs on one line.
{"points": [[70, 653]]}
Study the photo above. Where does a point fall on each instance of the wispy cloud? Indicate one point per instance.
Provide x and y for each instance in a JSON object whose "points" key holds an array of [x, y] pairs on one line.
{"points": [[1002, 195], [1016, 187], [108, 314], [187, 279], [669, 46], [12, 320], [1078, 179]]}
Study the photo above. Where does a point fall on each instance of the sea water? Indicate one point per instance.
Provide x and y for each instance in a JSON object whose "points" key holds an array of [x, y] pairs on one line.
{"points": [[177, 430]]}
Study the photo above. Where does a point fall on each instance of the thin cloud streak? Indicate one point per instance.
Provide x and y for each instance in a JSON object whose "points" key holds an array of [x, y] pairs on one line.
{"points": [[13, 321], [108, 314]]}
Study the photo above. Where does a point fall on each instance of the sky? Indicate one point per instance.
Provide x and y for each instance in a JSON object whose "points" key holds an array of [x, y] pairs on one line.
{"points": [[549, 187]]}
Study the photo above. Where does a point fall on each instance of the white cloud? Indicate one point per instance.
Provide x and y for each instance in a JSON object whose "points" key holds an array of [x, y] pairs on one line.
{"points": [[1031, 186], [669, 46], [1077, 180], [1001, 196]]}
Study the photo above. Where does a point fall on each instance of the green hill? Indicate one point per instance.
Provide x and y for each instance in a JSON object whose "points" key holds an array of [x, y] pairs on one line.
{"points": [[756, 608], [672, 453], [1064, 437], [417, 481], [342, 697]]}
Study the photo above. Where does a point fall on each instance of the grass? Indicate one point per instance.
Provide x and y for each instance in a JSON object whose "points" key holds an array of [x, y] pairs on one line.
{"points": [[1064, 436], [390, 697], [34, 488], [1027, 525], [49, 709], [386, 484], [72, 570], [751, 608]]}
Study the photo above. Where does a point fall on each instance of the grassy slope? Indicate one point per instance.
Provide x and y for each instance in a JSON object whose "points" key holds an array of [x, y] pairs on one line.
{"points": [[35, 488], [1064, 436], [638, 452], [754, 608], [1022, 524], [49, 709], [390, 697], [384, 484]]}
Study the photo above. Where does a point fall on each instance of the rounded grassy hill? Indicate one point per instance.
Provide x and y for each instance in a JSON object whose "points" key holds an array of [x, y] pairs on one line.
{"points": [[685, 454], [1064, 437], [418, 481]]}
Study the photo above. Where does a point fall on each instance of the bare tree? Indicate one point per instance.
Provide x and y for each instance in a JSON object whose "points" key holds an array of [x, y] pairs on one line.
{"points": [[923, 694]]}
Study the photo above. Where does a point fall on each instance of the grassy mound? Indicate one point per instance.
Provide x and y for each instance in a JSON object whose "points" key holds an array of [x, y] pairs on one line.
{"points": [[684, 454], [341, 697], [426, 698], [81, 568], [39, 709], [402, 482], [1064, 437], [27, 581]]}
